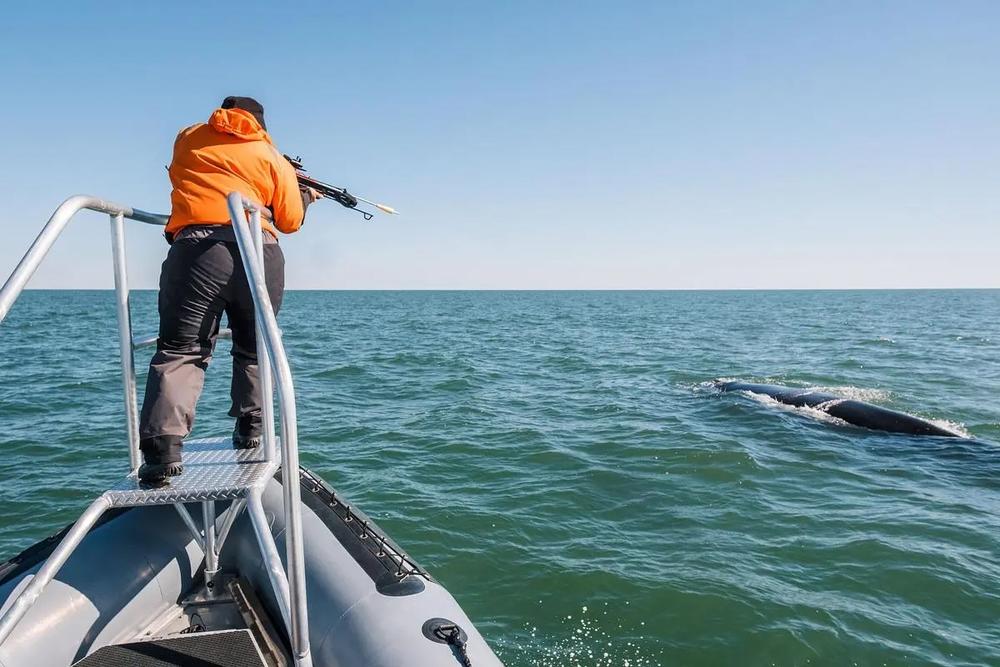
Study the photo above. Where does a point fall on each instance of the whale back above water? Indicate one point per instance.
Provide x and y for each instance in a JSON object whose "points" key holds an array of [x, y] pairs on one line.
{"points": [[858, 413]]}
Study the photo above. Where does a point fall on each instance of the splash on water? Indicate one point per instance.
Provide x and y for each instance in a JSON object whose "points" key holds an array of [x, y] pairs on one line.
{"points": [[588, 638], [868, 395], [948, 425], [813, 413]]}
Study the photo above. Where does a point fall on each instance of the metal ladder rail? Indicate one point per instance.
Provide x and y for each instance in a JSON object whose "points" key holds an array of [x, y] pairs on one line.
{"points": [[9, 294], [128, 343], [40, 248], [293, 588], [291, 598]]}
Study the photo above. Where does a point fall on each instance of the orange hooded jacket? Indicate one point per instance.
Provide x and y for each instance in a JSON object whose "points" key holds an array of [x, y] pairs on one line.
{"points": [[231, 152]]}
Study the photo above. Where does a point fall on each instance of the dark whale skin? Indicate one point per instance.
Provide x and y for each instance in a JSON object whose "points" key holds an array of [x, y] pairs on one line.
{"points": [[853, 412]]}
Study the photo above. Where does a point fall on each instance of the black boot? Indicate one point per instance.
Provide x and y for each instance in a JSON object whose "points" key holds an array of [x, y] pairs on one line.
{"points": [[156, 474], [161, 459], [246, 434]]}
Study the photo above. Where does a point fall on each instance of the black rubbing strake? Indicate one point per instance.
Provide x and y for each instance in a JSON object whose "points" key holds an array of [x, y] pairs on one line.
{"points": [[394, 575]]}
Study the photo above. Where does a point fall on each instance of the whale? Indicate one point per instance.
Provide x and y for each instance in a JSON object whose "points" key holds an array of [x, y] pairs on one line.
{"points": [[857, 413]]}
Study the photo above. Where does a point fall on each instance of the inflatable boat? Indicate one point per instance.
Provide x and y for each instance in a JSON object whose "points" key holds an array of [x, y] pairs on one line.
{"points": [[245, 559], [136, 589]]}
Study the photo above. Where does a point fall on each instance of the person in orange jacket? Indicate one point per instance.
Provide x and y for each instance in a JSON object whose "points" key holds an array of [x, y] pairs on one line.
{"points": [[203, 277]]}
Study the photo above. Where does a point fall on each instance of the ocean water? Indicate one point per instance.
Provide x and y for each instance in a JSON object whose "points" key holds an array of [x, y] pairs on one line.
{"points": [[561, 463]]}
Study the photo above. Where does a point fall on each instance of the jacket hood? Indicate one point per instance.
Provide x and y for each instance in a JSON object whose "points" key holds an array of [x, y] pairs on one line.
{"points": [[239, 123]]}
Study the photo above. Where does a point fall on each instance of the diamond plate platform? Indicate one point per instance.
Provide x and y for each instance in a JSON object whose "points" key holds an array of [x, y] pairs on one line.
{"points": [[213, 470]]}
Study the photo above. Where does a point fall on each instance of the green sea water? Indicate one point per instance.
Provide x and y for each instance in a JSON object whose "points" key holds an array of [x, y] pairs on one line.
{"points": [[560, 461]]}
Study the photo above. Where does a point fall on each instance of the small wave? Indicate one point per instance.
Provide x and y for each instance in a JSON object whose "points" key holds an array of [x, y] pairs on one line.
{"points": [[709, 386], [813, 413], [866, 394], [453, 384], [567, 362], [340, 371], [410, 358], [955, 427], [975, 340]]}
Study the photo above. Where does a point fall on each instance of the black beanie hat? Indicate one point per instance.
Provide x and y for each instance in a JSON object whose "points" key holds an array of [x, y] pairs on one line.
{"points": [[247, 104]]}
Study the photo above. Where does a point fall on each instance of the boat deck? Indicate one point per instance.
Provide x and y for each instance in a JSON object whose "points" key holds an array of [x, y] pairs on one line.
{"points": [[226, 648]]}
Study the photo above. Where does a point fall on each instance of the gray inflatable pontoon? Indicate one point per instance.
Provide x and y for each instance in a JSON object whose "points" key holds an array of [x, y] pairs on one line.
{"points": [[231, 563], [137, 583]]}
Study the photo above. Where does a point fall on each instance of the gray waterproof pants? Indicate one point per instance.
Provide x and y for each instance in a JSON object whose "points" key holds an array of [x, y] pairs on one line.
{"points": [[201, 278]]}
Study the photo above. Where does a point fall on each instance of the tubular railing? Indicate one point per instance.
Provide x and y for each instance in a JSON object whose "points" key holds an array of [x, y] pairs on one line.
{"points": [[252, 253], [40, 248], [290, 589]]}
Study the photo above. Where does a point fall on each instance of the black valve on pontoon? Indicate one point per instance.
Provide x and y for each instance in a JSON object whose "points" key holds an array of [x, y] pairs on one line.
{"points": [[443, 631]]}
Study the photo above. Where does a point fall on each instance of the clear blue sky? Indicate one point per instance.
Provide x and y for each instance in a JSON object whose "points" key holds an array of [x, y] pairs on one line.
{"points": [[536, 145]]}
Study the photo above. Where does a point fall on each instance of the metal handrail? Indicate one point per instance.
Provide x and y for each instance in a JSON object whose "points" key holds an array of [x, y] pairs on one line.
{"points": [[252, 253], [290, 589], [40, 248], [53, 228]]}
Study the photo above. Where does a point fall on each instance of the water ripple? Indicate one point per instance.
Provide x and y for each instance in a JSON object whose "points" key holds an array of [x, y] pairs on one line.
{"points": [[560, 462]]}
